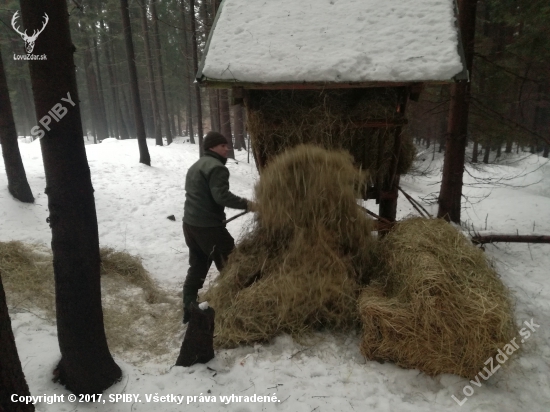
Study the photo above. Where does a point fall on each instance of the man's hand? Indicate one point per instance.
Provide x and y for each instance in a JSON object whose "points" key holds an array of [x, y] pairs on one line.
{"points": [[251, 206]]}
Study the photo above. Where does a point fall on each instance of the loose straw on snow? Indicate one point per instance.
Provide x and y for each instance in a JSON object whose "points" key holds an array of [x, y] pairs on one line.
{"points": [[141, 320]]}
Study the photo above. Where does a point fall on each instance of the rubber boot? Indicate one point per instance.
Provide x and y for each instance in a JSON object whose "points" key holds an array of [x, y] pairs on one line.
{"points": [[187, 300]]}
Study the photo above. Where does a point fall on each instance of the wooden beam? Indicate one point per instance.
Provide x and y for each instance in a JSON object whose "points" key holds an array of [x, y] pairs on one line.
{"points": [[219, 84], [380, 123]]}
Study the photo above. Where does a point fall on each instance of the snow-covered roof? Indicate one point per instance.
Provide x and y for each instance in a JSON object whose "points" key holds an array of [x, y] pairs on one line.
{"points": [[282, 41]]}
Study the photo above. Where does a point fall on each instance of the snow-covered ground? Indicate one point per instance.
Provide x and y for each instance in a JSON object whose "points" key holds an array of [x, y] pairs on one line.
{"points": [[328, 373]]}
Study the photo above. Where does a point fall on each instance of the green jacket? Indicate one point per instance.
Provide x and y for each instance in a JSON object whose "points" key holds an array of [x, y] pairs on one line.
{"points": [[207, 192]]}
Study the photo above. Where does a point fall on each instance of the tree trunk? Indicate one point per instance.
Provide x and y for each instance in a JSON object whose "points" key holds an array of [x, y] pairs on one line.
{"points": [[225, 121], [136, 103], [123, 111], [172, 115], [102, 104], [93, 94], [450, 195], [151, 74], [187, 72], [18, 185], [195, 70], [239, 127], [487, 152], [86, 365], [160, 70], [387, 208], [126, 116], [475, 153], [178, 119], [12, 379], [112, 86], [30, 121], [214, 101]]}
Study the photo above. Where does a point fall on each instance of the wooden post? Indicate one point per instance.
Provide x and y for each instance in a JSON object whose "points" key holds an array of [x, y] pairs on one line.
{"points": [[389, 191]]}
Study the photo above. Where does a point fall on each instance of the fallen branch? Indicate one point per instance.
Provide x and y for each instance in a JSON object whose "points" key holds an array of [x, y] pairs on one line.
{"points": [[482, 239], [381, 219], [382, 225], [415, 204]]}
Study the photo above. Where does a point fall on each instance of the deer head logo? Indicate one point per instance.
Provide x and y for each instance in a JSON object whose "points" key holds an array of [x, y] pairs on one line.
{"points": [[29, 40]]}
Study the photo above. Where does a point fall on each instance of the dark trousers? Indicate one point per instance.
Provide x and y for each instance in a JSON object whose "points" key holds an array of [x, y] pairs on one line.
{"points": [[206, 245]]}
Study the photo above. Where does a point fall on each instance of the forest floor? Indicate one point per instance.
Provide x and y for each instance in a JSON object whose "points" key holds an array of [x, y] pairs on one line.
{"points": [[326, 373]]}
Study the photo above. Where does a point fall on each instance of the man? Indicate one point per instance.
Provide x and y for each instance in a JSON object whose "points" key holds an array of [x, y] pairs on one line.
{"points": [[206, 196]]}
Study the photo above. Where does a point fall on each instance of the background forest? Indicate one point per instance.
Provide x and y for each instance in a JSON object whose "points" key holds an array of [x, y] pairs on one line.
{"points": [[163, 44], [509, 108]]}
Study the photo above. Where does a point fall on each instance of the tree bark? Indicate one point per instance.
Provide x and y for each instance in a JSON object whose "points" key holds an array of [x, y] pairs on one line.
{"points": [[195, 70], [450, 195], [12, 378], [160, 70], [18, 185], [151, 74], [86, 365], [136, 103]]}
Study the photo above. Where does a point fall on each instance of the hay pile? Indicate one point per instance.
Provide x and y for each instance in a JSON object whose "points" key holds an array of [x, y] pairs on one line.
{"points": [[438, 307], [332, 119], [301, 266], [141, 321]]}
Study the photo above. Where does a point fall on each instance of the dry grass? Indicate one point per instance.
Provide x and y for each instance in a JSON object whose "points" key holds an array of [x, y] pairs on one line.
{"points": [[301, 266], [282, 119], [438, 306], [141, 321]]}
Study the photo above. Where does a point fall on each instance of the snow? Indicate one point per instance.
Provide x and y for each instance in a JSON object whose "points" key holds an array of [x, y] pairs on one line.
{"points": [[109, 140], [327, 372], [334, 41]]}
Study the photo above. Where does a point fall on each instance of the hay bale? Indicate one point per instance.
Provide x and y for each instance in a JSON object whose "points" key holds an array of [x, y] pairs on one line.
{"points": [[439, 307], [332, 119], [301, 265]]}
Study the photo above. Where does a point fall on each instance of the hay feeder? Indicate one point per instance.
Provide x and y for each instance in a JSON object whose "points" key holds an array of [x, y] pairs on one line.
{"points": [[331, 93]]}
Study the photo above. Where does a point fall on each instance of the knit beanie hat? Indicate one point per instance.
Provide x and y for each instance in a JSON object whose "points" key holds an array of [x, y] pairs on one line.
{"points": [[212, 139]]}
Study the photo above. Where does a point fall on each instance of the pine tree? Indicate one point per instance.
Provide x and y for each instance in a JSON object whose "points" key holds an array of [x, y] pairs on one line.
{"points": [[18, 185], [86, 365]]}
